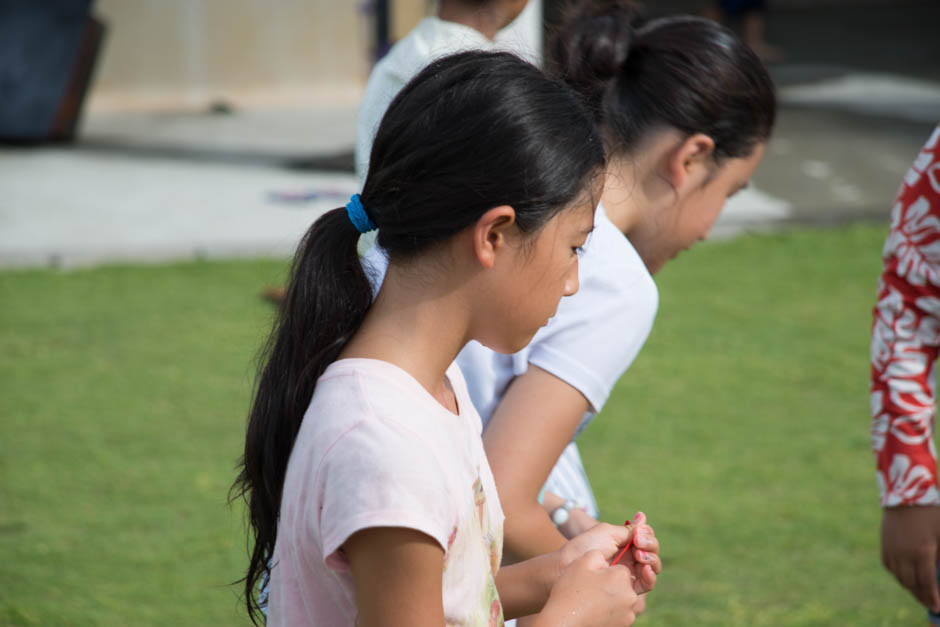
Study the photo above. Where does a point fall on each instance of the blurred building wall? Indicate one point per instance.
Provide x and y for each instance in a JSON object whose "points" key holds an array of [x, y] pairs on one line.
{"points": [[405, 15], [187, 53]]}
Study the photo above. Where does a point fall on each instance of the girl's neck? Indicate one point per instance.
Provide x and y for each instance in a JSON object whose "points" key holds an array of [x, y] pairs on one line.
{"points": [[623, 196], [416, 325], [486, 20]]}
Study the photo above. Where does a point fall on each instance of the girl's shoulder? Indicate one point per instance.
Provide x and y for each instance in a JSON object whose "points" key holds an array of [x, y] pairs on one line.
{"points": [[351, 391], [371, 405], [375, 386]]}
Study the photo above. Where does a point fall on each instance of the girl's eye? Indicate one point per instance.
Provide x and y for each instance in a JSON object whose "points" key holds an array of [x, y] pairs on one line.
{"points": [[578, 250]]}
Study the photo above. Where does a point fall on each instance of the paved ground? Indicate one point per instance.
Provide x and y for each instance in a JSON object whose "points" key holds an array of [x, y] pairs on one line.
{"points": [[860, 92], [174, 185]]}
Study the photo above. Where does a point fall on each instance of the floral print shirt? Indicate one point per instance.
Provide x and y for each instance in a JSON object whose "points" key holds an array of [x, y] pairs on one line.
{"points": [[906, 338]]}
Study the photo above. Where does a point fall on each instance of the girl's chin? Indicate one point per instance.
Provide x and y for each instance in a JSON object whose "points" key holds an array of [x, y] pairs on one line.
{"points": [[522, 343], [513, 345]]}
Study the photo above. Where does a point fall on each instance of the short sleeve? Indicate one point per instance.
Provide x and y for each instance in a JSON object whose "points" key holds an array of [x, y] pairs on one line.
{"points": [[598, 332], [381, 474]]}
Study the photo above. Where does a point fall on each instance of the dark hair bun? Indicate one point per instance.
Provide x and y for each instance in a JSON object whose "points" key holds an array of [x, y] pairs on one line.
{"points": [[593, 43], [681, 72]]}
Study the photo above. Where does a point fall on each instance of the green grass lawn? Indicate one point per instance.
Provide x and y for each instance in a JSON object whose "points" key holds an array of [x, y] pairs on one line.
{"points": [[742, 431]]}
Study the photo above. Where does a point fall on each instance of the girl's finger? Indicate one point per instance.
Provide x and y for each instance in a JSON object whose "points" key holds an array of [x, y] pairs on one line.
{"points": [[646, 581], [648, 559], [645, 539]]}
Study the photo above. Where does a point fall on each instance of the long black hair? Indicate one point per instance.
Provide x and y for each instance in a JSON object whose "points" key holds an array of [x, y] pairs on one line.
{"points": [[470, 132], [681, 72]]}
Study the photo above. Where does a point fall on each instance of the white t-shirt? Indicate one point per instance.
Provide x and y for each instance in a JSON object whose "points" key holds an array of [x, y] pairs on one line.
{"points": [[593, 337], [431, 39], [376, 449]]}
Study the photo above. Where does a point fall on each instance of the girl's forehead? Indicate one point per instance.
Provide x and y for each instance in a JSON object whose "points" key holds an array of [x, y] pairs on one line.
{"points": [[579, 217]]}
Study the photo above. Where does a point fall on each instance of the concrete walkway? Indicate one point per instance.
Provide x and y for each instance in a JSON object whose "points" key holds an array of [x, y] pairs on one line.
{"points": [[71, 207], [156, 187]]}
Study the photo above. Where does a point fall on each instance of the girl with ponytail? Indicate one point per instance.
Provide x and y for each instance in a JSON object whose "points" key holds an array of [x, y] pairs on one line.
{"points": [[684, 109], [369, 496]]}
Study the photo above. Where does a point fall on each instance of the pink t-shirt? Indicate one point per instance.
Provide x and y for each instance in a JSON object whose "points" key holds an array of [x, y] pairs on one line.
{"points": [[376, 449]]}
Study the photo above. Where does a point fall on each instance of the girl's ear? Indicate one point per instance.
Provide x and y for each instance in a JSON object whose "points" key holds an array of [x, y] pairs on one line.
{"points": [[489, 234], [690, 163]]}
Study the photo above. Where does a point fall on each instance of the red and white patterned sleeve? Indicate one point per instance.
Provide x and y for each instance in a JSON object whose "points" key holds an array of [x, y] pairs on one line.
{"points": [[905, 339]]}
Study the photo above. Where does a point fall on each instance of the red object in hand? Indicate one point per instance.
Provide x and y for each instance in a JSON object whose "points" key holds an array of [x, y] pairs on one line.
{"points": [[629, 544]]}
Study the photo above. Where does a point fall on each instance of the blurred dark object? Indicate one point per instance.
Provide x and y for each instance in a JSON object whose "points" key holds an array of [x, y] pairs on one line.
{"points": [[48, 51], [221, 107], [749, 17], [553, 13], [335, 162], [383, 29]]}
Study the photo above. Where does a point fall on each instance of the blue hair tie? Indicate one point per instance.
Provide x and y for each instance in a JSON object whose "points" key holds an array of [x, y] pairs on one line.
{"points": [[357, 215]]}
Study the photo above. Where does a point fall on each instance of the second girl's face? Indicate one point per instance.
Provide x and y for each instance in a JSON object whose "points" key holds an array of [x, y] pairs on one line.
{"points": [[543, 270], [691, 218]]}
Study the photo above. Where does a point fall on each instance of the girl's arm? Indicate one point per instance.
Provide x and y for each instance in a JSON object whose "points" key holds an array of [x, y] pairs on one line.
{"points": [[379, 556], [524, 587], [397, 573], [528, 432]]}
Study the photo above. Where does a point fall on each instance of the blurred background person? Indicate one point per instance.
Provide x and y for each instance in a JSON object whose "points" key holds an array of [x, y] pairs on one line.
{"points": [[458, 25], [672, 163], [751, 16]]}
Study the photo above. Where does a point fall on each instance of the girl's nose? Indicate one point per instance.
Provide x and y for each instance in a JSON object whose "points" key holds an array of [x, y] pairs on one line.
{"points": [[571, 283]]}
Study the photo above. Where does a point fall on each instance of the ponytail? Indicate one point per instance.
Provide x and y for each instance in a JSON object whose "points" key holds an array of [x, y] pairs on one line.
{"points": [[471, 132], [327, 297]]}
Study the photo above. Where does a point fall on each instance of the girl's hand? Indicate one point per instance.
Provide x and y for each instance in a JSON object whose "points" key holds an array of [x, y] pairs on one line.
{"points": [[590, 593], [642, 559]]}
